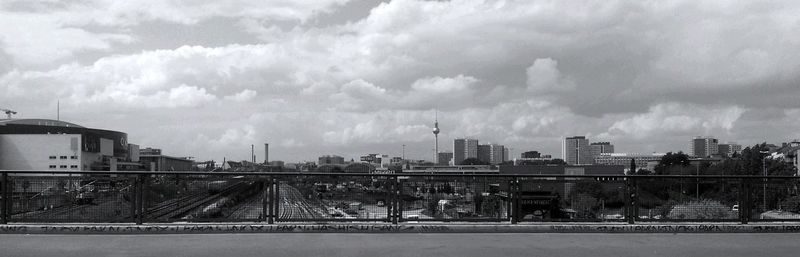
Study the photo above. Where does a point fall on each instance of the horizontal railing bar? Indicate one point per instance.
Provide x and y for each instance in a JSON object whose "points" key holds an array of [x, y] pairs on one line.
{"points": [[415, 174]]}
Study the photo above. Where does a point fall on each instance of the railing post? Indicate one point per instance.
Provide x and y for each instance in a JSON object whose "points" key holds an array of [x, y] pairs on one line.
{"points": [[266, 204], [132, 194], [398, 199], [633, 197], [276, 199], [140, 208], [4, 186], [393, 201], [744, 201]]}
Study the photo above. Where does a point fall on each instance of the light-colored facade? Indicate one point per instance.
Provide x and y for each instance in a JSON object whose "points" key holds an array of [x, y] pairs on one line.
{"points": [[797, 162], [576, 151], [704, 146], [497, 153], [729, 149], [598, 148], [643, 161], [55, 152], [456, 169], [378, 160], [464, 148], [52, 145]]}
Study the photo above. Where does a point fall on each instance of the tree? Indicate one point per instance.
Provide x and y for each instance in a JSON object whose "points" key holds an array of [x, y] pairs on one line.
{"points": [[672, 163], [702, 209], [632, 170]]}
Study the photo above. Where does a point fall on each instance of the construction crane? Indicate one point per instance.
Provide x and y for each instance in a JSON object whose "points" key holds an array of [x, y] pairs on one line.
{"points": [[8, 112]]}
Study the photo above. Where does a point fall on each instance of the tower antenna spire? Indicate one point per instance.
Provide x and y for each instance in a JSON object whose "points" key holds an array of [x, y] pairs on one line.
{"points": [[436, 137]]}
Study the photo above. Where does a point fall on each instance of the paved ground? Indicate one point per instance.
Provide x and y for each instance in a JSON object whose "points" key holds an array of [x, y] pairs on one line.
{"points": [[402, 245]]}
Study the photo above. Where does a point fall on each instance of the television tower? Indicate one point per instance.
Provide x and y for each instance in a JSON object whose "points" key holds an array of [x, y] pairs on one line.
{"points": [[436, 135]]}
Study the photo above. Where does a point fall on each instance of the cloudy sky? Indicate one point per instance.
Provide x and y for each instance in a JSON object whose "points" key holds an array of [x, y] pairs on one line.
{"points": [[209, 78]]}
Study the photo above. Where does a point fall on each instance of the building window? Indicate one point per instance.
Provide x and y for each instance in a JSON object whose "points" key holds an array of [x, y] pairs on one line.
{"points": [[74, 157], [73, 166], [52, 157], [63, 166], [63, 157], [52, 166]]}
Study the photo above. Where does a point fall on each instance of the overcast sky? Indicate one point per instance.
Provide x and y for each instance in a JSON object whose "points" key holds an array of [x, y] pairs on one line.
{"points": [[209, 78]]}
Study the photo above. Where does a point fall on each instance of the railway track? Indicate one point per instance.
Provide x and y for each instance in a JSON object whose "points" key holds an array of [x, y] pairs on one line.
{"points": [[180, 207], [293, 206]]}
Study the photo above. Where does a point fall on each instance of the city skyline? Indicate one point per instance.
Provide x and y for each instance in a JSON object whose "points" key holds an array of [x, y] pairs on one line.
{"points": [[209, 80]]}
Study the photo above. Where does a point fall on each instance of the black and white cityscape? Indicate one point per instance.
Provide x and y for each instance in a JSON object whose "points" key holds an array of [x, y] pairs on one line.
{"points": [[400, 115]]}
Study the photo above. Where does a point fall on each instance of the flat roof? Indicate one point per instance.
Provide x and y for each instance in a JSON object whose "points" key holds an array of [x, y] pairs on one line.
{"points": [[39, 122]]}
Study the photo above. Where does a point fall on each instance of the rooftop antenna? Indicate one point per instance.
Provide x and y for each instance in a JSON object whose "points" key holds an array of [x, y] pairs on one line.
{"points": [[58, 110]]}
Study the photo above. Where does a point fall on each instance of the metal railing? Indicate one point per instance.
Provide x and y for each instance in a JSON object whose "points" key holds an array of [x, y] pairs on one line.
{"points": [[162, 197]]}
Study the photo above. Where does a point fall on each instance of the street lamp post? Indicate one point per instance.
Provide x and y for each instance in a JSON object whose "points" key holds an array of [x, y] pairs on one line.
{"points": [[764, 169]]}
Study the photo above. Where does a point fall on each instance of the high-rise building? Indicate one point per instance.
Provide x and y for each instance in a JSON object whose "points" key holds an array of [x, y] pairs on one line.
{"points": [[464, 148], [575, 151], [445, 158], [492, 153], [484, 153], [531, 154], [497, 153], [704, 146], [598, 148], [266, 153], [729, 149]]}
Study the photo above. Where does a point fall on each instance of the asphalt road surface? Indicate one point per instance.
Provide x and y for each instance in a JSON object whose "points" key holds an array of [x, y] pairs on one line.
{"points": [[583, 245]]}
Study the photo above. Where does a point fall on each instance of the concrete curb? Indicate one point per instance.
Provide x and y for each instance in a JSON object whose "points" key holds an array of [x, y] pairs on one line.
{"points": [[206, 228]]}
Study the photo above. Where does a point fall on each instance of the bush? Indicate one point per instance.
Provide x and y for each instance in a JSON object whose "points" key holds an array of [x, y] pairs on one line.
{"points": [[703, 209], [791, 204]]}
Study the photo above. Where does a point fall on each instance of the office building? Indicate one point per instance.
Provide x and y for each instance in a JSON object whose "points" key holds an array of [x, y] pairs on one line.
{"points": [[492, 153], [497, 154], [530, 155], [153, 160], [377, 160], [598, 148], [575, 151], [729, 149], [484, 153], [330, 159], [445, 158], [51, 145], [704, 147], [643, 161], [464, 148]]}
